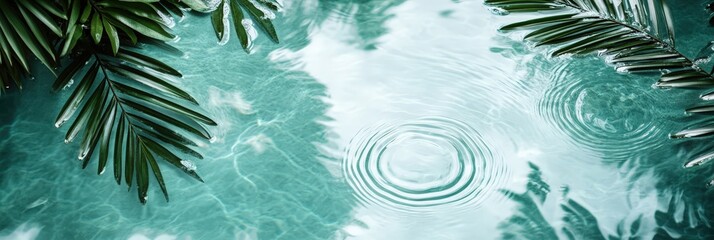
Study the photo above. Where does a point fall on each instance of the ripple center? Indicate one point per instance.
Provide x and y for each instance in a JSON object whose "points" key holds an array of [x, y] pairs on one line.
{"points": [[419, 163]]}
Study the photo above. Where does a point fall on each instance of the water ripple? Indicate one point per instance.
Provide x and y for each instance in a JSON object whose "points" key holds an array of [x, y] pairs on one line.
{"points": [[422, 164], [613, 118]]}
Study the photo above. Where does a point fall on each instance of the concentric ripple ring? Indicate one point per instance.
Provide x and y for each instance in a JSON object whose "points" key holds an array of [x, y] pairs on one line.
{"points": [[422, 163], [612, 118]]}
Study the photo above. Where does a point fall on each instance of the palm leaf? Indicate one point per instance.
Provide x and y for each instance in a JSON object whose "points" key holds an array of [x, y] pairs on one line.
{"points": [[119, 21], [589, 26], [126, 106], [258, 11], [117, 108], [125, 103], [634, 35], [24, 28], [170, 7]]}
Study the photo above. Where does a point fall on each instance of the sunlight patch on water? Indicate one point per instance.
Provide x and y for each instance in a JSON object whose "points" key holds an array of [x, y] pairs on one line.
{"points": [[259, 142], [235, 100], [26, 231]]}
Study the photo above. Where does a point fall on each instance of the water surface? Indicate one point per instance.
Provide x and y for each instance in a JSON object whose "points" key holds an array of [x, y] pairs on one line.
{"points": [[383, 120]]}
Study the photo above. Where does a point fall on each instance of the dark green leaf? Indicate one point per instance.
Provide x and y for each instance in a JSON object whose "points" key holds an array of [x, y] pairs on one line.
{"points": [[217, 21], [131, 156], [50, 7], [118, 148], [47, 57], [98, 118], [197, 5], [75, 32], [263, 21], [10, 36], [87, 110], [129, 33], [42, 16], [173, 8], [178, 145], [105, 131], [73, 15], [146, 61], [170, 157], [163, 103], [271, 4], [237, 14], [539, 21], [161, 130], [113, 36], [138, 9], [71, 70], [5, 49], [157, 172], [97, 28], [144, 26], [152, 81], [195, 129], [86, 13], [29, 40], [142, 173], [77, 96]]}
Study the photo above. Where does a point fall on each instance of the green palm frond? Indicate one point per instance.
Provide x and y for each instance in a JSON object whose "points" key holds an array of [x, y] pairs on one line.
{"points": [[124, 103], [127, 99], [634, 35], [171, 7], [127, 108], [27, 29], [258, 10], [108, 17]]}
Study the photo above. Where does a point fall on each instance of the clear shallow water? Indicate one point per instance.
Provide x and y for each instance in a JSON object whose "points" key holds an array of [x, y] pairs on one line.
{"points": [[382, 120]]}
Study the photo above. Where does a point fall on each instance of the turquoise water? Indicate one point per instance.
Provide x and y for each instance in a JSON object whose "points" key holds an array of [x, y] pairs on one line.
{"points": [[383, 120]]}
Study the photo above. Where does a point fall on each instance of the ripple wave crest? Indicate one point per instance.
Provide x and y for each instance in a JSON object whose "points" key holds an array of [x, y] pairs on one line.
{"points": [[421, 164], [613, 118]]}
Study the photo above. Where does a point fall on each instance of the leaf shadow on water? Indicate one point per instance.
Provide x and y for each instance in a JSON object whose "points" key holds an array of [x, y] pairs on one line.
{"points": [[369, 18], [283, 188], [576, 222]]}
